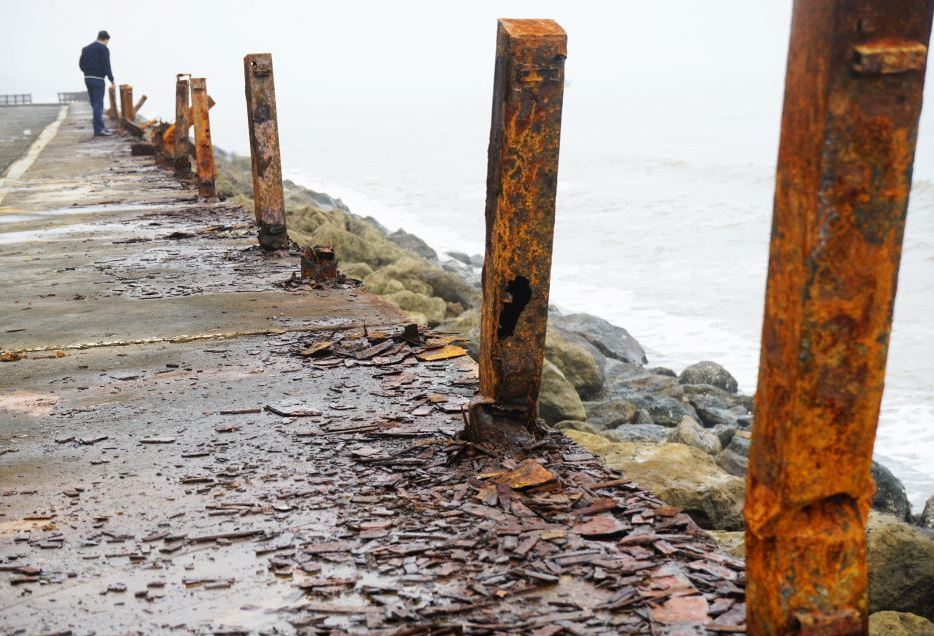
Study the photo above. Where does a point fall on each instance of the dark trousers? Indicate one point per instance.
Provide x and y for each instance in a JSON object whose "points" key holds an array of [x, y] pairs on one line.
{"points": [[96, 90]]}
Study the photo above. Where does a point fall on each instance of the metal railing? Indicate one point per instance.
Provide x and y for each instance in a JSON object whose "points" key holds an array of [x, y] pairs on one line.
{"points": [[76, 96], [17, 99]]}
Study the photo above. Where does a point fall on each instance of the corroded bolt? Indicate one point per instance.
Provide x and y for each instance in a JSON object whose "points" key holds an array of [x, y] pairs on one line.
{"points": [[522, 176], [268, 200], [849, 127]]}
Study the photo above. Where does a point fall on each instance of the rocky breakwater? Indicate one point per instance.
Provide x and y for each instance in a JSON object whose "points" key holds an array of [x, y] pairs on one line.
{"points": [[684, 436]]}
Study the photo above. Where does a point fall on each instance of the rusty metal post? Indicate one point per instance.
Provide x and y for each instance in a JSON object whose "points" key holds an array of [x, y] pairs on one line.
{"points": [[126, 102], [522, 176], [204, 151], [181, 144], [139, 104], [112, 98], [852, 100], [268, 200]]}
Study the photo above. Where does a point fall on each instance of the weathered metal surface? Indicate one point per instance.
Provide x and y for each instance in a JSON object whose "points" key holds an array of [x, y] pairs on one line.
{"points": [[204, 151], [852, 101], [319, 263], [112, 101], [268, 201], [180, 150], [126, 102], [139, 104], [520, 214]]}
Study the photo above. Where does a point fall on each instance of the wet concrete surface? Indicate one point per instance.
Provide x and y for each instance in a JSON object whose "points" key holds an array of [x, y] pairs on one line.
{"points": [[19, 128], [189, 444]]}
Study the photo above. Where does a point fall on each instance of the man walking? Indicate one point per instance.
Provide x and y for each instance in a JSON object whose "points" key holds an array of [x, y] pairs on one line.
{"points": [[95, 64]]}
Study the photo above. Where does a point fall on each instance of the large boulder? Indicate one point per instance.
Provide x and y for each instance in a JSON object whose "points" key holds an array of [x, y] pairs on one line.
{"points": [[576, 362], [421, 277], [356, 270], [558, 400], [639, 433], [679, 475], [610, 412], [901, 566], [734, 459], [890, 496], [690, 432], [716, 407], [611, 341], [413, 243], [424, 309], [899, 624], [926, 520], [707, 372]]}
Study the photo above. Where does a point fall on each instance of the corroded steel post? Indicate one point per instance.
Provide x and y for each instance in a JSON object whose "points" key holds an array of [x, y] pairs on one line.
{"points": [[139, 104], [852, 100], [268, 201], [112, 99], [126, 102], [204, 151], [522, 176], [181, 149]]}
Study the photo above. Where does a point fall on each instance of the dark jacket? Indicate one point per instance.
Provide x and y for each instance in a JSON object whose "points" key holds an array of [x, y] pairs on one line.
{"points": [[95, 61]]}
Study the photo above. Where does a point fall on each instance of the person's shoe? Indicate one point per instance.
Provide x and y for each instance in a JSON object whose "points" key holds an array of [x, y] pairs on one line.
{"points": [[105, 133]]}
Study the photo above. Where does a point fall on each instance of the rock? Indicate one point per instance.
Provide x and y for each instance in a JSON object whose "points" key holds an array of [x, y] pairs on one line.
{"points": [[461, 257], [576, 362], [465, 272], [663, 371], [412, 243], [421, 277], [353, 239], [424, 309], [735, 457], [724, 433], [639, 433], [642, 417], [926, 520], [707, 372], [716, 407], [733, 542], [477, 261], [899, 624], [901, 566], [690, 432], [558, 400], [663, 410], [611, 412], [611, 341], [677, 474], [356, 270], [890, 496], [576, 426]]}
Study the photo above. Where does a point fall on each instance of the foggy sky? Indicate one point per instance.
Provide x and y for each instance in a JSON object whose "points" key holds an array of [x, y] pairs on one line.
{"points": [[357, 79]]}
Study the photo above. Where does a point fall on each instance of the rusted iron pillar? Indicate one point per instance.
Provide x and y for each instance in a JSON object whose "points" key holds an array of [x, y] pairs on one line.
{"points": [[139, 104], [126, 102], [522, 176], [852, 100], [112, 99], [204, 151], [181, 145], [268, 200]]}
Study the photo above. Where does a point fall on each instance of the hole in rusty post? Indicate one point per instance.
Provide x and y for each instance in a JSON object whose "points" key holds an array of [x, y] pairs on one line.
{"points": [[518, 294]]}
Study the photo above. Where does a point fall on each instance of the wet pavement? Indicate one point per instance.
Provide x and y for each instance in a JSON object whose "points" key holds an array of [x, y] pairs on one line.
{"points": [[19, 128], [191, 443]]}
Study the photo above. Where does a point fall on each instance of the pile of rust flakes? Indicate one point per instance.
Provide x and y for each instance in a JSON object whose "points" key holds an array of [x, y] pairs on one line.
{"points": [[431, 534]]}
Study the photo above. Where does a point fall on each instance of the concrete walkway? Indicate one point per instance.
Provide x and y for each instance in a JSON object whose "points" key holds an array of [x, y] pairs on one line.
{"points": [[189, 444], [19, 127]]}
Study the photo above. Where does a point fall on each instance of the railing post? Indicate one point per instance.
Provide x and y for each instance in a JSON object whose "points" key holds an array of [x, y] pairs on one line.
{"points": [[204, 151], [522, 176], [112, 98], [181, 148], [852, 100], [268, 201]]}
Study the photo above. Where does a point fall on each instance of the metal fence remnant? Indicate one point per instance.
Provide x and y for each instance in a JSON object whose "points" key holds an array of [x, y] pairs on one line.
{"points": [[71, 97], [139, 104], [852, 100], [319, 263], [204, 151], [522, 176], [268, 200], [181, 150]]}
